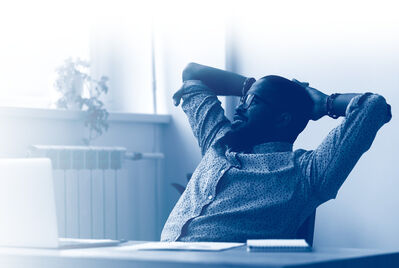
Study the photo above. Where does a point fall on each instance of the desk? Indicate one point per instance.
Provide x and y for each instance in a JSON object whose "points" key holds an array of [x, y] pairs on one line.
{"points": [[237, 257]]}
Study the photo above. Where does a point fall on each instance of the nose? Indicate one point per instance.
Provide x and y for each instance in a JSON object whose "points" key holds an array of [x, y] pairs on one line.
{"points": [[241, 105], [239, 108]]}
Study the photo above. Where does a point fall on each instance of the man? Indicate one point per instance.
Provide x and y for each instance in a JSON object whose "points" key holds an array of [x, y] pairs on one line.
{"points": [[249, 183]]}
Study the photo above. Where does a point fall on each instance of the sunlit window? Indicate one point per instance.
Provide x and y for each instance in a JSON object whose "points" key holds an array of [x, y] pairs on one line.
{"points": [[38, 36]]}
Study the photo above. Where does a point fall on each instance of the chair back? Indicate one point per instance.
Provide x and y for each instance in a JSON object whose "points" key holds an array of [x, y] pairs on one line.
{"points": [[306, 231]]}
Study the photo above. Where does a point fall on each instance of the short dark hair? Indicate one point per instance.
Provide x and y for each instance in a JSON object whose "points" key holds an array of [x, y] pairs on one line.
{"points": [[293, 98]]}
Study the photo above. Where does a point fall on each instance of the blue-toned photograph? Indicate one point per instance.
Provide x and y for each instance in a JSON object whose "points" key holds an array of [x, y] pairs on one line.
{"points": [[199, 133]]}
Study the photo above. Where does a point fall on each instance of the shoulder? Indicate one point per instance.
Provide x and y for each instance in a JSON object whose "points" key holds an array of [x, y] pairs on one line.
{"points": [[301, 152], [302, 157]]}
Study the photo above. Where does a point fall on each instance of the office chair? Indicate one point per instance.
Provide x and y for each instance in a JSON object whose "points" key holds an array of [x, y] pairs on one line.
{"points": [[306, 231]]}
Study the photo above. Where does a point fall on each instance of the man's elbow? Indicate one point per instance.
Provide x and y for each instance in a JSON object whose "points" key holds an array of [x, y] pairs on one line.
{"points": [[189, 71], [381, 106]]}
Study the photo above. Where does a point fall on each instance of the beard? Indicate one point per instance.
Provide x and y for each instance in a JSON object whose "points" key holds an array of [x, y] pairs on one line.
{"points": [[242, 137], [238, 140]]}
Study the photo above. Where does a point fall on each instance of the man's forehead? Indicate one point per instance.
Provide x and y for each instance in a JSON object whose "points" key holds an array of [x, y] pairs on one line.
{"points": [[264, 90]]}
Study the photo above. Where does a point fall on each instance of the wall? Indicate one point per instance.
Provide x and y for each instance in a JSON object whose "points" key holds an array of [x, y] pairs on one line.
{"points": [[351, 47], [182, 37]]}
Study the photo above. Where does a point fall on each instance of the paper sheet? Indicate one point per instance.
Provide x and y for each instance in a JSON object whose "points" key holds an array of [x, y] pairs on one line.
{"points": [[196, 246]]}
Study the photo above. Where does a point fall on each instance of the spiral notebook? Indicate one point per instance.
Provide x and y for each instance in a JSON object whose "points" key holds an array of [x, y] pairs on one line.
{"points": [[278, 245]]}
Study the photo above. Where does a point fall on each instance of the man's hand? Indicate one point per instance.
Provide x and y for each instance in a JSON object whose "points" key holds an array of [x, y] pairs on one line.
{"points": [[319, 103], [319, 100], [177, 97]]}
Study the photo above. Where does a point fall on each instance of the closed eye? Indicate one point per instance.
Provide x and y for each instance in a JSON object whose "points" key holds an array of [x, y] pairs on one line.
{"points": [[256, 100], [262, 101]]}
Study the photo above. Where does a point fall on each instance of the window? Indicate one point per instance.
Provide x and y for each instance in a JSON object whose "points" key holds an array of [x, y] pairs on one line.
{"points": [[37, 36]]}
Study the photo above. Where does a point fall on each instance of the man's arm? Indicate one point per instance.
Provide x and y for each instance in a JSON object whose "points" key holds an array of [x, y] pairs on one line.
{"points": [[224, 83], [199, 93], [221, 82], [320, 100], [328, 166], [338, 104]]}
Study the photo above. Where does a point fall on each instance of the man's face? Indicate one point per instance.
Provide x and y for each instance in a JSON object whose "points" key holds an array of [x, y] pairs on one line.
{"points": [[255, 117]]}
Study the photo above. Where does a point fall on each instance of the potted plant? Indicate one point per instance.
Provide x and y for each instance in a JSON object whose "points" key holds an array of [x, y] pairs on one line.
{"points": [[79, 91]]}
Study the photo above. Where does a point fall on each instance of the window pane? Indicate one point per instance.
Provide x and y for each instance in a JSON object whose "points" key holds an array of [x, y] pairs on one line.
{"points": [[36, 38], [121, 49]]}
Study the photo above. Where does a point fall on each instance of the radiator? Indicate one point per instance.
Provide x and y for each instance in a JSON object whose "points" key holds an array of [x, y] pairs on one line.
{"points": [[92, 189]]}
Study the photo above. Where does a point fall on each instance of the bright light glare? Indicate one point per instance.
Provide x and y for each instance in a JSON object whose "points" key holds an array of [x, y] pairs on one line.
{"points": [[36, 37]]}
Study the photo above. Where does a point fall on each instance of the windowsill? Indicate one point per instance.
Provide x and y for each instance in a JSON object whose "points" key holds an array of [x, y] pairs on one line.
{"points": [[78, 115]]}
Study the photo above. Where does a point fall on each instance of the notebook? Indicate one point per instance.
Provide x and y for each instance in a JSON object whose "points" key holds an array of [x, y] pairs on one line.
{"points": [[278, 245]]}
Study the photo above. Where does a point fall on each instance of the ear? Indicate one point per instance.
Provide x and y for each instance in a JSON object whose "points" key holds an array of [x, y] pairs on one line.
{"points": [[283, 120]]}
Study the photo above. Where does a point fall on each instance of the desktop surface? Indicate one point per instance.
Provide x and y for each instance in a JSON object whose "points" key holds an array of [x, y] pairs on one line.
{"points": [[236, 257]]}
